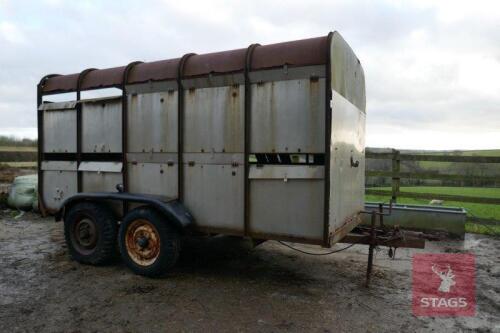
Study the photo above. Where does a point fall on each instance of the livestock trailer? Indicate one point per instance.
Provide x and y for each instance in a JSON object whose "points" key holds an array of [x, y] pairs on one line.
{"points": [[265, 142]]}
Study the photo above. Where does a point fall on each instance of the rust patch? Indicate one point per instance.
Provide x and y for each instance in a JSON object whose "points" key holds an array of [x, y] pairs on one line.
{"points": [[142, 241]]}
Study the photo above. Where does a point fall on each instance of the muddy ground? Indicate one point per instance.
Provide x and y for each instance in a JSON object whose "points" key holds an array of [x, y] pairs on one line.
{"points": [[222, 284]]}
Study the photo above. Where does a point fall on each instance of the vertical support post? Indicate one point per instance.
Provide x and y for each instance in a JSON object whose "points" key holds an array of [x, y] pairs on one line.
{"points": [[180, 127], [372, 248], [125, 207], [328, 141], [396, 168], [39, 114], [125, 132], [247, 133], [381, 216], [79, 181], [40, 143], [79, 133]]}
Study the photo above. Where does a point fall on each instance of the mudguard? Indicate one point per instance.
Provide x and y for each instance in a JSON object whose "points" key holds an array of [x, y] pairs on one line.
{"points": [[171, 208]]}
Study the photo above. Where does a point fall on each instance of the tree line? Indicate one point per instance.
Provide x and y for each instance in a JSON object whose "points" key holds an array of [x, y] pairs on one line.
{"points": [[13, 141]]}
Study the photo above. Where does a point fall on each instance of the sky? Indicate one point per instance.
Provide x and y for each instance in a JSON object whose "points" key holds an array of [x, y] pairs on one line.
{"points": [[432, 68]]}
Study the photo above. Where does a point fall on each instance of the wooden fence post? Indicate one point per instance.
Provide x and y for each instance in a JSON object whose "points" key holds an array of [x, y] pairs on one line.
{"points": [[396, 167]]}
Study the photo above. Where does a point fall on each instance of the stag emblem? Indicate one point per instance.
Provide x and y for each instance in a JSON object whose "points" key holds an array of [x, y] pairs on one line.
{"points": [[447, 278]]}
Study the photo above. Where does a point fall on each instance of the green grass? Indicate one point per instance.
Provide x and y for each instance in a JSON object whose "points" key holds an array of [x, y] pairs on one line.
{"points": [[444, 165], [488, 192], [485, 152], [12, 148], [486, 211], [475, 228], [473, 209], [490, 152], [19, 164]]}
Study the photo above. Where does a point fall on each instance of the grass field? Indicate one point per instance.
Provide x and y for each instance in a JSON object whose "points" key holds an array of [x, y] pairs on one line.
{"points": [[486, 211], [18, 164], [491, 152], [12, 148], [485, 152], [444, 165], [17, 156]]}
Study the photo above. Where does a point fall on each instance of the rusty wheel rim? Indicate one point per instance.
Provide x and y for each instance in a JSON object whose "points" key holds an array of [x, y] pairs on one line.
{"points": [[85, 235], [142, 241]]}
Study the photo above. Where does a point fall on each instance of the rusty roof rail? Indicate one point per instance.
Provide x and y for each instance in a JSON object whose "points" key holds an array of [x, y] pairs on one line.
{"points": [[305, 52], [162, 70]]}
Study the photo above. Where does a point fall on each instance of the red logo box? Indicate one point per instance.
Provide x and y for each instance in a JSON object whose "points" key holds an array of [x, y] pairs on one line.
{"points": [[444, 285]]}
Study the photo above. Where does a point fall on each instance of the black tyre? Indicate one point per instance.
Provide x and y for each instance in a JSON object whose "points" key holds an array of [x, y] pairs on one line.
{"points": [[90, 230], [149, 244]]}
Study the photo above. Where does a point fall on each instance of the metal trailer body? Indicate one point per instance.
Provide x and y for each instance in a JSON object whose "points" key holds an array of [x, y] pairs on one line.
{"points": [[265, 142]]}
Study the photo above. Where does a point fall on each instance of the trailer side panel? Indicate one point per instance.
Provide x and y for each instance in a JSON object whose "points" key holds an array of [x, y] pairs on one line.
{"points": [[347, 147]]}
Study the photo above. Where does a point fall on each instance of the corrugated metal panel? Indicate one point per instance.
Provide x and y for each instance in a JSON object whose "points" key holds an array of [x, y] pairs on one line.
{"points": [[100, 181], [164, 158], [57, 106], [100, 100], [285, 172], [59, 165], [293, 208], [150, 87], [283, 74], [153, 178], [288, 116], [152, 122], [215, 158], [348, 78], [59, 132], [101, 166], [58, 186], [214, 120], [213, 81], [214, 195], [346, 181], [102, 126]]}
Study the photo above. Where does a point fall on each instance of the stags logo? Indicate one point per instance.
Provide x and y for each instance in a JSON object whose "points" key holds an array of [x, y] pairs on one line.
{"points": [[447, 279], [444, 285]]}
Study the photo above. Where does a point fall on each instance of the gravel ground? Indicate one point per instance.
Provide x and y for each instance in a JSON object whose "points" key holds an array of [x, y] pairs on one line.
{"points": [[222, 284]]}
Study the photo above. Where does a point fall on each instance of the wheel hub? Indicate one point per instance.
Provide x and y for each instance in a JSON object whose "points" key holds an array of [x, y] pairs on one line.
{"points": [[142, 242], [85, 235]]}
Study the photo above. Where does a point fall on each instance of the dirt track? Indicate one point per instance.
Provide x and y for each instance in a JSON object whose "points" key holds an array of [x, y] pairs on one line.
{"points": [[221, 284]]}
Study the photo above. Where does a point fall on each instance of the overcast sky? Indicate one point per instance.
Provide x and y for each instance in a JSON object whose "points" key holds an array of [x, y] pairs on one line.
{"points": [[432, 68]]}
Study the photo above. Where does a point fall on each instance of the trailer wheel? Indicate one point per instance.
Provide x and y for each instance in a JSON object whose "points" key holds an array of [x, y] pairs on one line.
{"points": [[149, 245], [90, 230]]}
